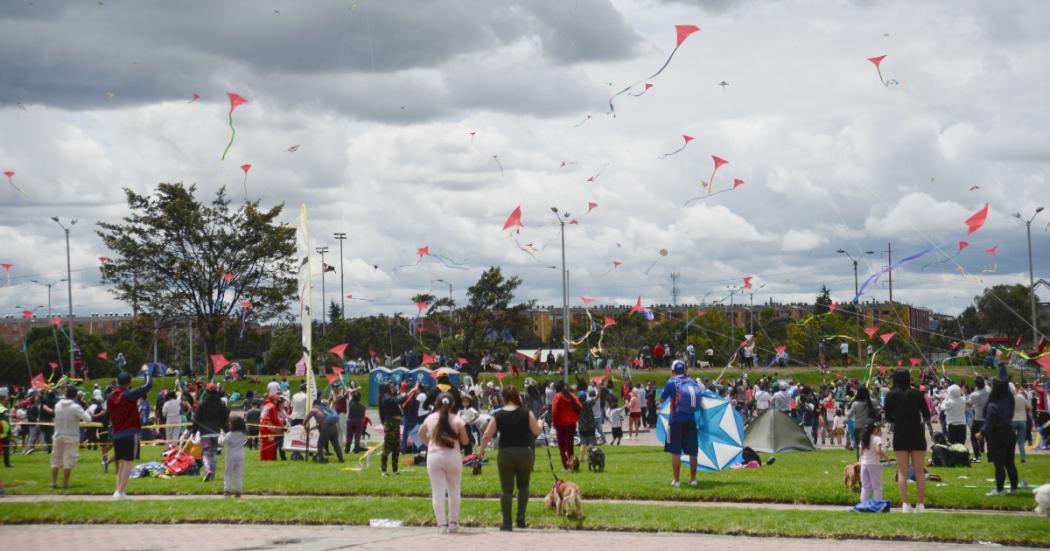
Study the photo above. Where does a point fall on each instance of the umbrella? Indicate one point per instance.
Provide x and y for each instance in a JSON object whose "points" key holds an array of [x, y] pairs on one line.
{"points": [[720, 432]]}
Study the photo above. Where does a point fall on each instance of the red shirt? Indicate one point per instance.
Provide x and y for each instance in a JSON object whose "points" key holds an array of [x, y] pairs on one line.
{"points": [[658, 351], [565, 410]]}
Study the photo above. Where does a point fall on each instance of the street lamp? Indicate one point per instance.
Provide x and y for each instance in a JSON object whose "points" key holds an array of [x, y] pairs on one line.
{"points": [[25, 333], [856, 290], [53, 332], [69, 282], [562, 217], [324, 268], [340, 236], [1031, 275]]}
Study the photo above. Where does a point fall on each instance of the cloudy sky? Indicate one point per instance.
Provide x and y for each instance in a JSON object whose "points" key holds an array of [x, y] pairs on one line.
{"points": [[381, 97]]}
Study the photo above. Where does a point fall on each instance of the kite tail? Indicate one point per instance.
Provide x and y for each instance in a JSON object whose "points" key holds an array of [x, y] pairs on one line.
{"points": [[520, 246], [245, 184], [640, 94], [651, 266], [416, 263], [906, 260], [233, 134], [675, 152], [699, 197], [18, 189], [449, 263], [612, 108]]}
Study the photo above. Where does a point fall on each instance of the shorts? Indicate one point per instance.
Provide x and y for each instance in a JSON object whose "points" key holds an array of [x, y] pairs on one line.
{"points": [[636, 415], [617, 432], [683, 439], [124, 448], [588, 438], [64, 452]]}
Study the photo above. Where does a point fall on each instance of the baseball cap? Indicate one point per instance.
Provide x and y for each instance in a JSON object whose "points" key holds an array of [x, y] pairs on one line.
{"points": [[678, 366], [124, 378]]}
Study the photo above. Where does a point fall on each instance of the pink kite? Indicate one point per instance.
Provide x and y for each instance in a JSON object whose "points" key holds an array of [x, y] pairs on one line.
{"points": [[56, 321], [218, 362], [737, 182], [642, 93], [235, 102], [886, 337], [428, 359], [420, 306], [682, 32], [617, 264], [574, 221], [956, 345], [423, 251], [594, 177], [103, 355], [7, 273], [514, 220], [992, 250], [637, 307], [871, 331], [915, 361], [747, 282], [995, 260], [53, 365], [246, 167], [590, 206], [685, 139], [339, 350], [228, 277], [103, 260], [963, 245], [27, 314], [975, 222], [501, 375], [196, 97], [834, 306], [877, 61], [586, 300], [718, 164], [609, 322], [246, 304], [10, 175]]}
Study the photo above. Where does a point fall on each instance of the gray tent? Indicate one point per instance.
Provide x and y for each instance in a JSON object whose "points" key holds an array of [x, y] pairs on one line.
{"points": [[774, 432]]}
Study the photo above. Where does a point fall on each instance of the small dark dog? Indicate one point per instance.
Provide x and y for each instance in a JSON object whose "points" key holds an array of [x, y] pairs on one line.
{"points": [[596, 460]]}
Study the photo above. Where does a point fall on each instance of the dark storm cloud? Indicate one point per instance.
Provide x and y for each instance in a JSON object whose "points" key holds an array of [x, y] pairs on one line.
{"points": [[79, 55]]}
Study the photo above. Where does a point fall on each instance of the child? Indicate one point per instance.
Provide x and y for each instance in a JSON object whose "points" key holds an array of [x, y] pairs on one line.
{"points": [[615, 416], [838, 427], [233, 442], [871, 457]]}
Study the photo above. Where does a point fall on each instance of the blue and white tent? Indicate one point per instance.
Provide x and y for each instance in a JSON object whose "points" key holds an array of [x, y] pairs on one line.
{"points": [[720, 431]]}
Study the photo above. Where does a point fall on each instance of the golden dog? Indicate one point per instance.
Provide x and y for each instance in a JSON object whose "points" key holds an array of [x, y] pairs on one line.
{"points": [[565, 498], [851, 476]]}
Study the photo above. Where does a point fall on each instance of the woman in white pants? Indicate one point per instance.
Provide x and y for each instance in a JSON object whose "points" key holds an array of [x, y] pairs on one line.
{"points": [[444, 433]]}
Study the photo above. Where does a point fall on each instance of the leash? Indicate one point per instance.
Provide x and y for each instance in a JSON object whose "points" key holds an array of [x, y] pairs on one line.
{"points": [[547, 444]]}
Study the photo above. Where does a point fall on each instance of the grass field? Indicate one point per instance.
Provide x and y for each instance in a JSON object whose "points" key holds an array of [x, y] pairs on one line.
{"points": [[954, 527], [632, 472]]}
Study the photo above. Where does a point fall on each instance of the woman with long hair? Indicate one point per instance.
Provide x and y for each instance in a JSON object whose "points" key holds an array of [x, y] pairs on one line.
{"points": [[444, 433], [906, 409], [998, 431], [862, 413], [565, 412], [517, 428]]}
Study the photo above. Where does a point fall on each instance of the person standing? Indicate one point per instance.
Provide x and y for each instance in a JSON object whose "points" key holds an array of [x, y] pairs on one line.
{"points": [[762, 400], [999, 433], [634, 412], [355, 423], [209, 420], [172, 410], [325, 420], [443, 434], [844, 352], [954, 407], [685, 396], [271, 424], [390, 417], [233, 443], [1020, 417], [565, 412], [906, 409], [977, 399], [125, 425], [340, 401], [863, 414], [68, 416], [517, 428]]}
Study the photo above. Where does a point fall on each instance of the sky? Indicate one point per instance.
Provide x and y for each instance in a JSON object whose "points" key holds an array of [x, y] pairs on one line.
{"points": [[381, 98]]}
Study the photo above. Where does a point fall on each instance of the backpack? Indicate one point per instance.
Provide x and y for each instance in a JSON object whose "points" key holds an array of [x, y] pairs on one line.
{"points": [[687, 396], [330, 416]]}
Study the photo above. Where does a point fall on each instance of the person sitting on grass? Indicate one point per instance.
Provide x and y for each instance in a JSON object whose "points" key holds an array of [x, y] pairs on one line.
{"points": [[685, 396], [125, 425], [68, 416]]}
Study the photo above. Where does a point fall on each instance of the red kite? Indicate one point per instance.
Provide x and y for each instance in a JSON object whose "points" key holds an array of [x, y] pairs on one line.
{"points": [[642, 93], [915, 361], [737, 182], [637, 307], [514, 220], [877, 61], [886, 337], [609, 322], [11, 175], [975, 222], [339, 350], [685, 139], [590, 206], [586, 300], [747, 282], [196, 97], [219, 362], [235, 102], [870, 331], [103, 355], [681, 33]]}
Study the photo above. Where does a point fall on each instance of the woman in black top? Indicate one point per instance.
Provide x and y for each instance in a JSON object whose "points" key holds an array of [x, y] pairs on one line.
{"points": [[390, 416], [999, 432], [906, 409], [518, 429]]}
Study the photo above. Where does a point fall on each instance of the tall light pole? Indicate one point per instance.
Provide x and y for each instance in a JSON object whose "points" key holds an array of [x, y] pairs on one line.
{"points": [[53, 332], [1031, 274], [562, 217], [324, 268], [856, 291], [340, 236], [69, 287], [450, 309]]}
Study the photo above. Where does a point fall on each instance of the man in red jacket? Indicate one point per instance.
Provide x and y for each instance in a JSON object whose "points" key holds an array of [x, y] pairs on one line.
{"points": [[125, 425]]}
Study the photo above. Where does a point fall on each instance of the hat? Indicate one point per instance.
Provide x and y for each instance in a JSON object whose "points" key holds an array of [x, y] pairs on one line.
{"points": [[124, 378], [678, 366], [211, 387]]}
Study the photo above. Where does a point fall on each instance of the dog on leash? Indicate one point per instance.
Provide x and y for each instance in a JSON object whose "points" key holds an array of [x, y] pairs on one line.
{"points": [[565, 498], [574, 464], [596, 460], [851, 476], [1042, 499]]}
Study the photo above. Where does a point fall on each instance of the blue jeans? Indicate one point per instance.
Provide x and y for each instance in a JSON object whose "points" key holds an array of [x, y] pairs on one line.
{"points": [[1020, 427], [209, 448]]}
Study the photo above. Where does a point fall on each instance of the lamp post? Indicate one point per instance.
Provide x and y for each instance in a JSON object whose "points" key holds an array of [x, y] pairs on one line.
{"points": [[751, 308], [69, 287], [25, 337], [53, 332], [450, 309], [1031, 274], [562, 217], [856, 290], [324, 268], [340, 236]]}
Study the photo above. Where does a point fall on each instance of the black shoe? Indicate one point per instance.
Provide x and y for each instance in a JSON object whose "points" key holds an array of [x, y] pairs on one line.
{"points": [[520, 524], [505, 528]]}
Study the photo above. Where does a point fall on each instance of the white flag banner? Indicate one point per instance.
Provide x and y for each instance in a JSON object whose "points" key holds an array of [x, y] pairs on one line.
{"points": [[302, 251]]}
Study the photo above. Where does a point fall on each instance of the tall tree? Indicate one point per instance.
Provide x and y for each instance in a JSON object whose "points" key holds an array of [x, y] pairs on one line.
{"points": [[489, 307], [177, 257]]}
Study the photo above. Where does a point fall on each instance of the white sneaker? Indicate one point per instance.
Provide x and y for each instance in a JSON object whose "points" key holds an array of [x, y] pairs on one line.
{"points": [[675, 484], [692, 483], [453, 527], [119, 495], [994, 493], [920, 508], [906, 508]]}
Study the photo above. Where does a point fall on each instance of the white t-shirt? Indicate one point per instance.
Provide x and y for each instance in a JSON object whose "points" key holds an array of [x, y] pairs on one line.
{"points": [[421, 399], [1020, 411], [839, 422], [273, 387], [870, 455], [844, 348], [299, 405], [172, 409], [762, 400], [615, 416], [710, 352]]}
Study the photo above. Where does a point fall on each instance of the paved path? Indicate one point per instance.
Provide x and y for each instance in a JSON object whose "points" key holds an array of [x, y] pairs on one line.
{"points": [[227, 537], [39, 498]]}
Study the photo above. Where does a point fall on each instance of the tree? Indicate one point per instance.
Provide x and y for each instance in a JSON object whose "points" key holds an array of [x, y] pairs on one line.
{"points": [[489, 307], [334, 311], [823, 302], [999, 310], [177, 257]]}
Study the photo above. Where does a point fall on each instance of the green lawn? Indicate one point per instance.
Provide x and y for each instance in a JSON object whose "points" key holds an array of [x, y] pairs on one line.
{"points": [[636, 472], [955, 527]]}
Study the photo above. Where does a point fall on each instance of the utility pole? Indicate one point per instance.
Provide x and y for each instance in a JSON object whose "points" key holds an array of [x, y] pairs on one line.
{"points": [[340, 236], [856, 300], [1031, 276], [562, 217], [69, 287], [324, 268], [674, 287], [54, 333], [889, 262]]}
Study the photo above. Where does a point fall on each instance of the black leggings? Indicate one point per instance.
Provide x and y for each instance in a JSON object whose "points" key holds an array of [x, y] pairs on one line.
{"points": [[515, 468], [957, 434], [1001, 452], [976, 443]]}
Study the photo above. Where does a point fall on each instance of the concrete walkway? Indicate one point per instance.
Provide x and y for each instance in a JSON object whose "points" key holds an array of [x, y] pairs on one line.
{"points": [[227, 537], [42, 498]]}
